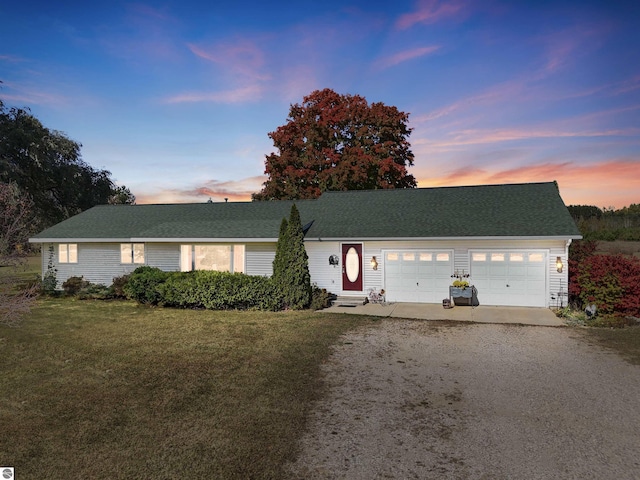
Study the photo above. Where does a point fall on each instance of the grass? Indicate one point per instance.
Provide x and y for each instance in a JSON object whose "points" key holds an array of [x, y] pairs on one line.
{"points": [[96, 390], [27, 271]]}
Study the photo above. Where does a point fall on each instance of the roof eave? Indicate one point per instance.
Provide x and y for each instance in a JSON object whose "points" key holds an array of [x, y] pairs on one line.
{"points": [[152, 240], [469, 237]]}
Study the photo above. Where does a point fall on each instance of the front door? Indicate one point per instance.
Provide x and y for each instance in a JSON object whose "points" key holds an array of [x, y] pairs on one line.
{"points": [[352, 267]]}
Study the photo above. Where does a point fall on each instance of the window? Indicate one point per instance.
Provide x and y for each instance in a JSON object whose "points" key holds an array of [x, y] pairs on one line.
{"points": [[479, 257], [497, 257], [516, 257], [442, 257], [426, 257], [408, 257], [132, 253], [536, 257], [68, 253], [392, 257], [221, 258]]}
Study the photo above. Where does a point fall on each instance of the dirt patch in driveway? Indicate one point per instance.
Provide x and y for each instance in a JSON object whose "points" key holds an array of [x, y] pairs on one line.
{"points": [[414, 399]]}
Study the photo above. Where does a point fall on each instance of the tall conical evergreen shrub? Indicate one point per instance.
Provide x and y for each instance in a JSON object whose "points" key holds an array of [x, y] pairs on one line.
{"points": [[282, 254], [298, 279], [291, 264]]}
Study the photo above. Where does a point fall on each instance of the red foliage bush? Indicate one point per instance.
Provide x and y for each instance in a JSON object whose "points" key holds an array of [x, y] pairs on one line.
{"points": [[611, 282]]}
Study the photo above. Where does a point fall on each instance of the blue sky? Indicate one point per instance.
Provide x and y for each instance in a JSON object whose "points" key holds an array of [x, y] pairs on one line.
{"points": [[176, 98]]}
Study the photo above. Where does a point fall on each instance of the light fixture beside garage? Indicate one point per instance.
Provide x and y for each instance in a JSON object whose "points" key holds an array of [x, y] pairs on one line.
{"points": [[559, 264], [374, 263]]}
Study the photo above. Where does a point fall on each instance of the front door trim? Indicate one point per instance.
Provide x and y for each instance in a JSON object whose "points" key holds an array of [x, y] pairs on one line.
{"points": [[352, 267]]}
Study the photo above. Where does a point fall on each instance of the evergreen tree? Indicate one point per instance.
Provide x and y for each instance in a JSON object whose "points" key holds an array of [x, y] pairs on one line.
{"points": [[291, 264], [297, 278], [282, 254]]}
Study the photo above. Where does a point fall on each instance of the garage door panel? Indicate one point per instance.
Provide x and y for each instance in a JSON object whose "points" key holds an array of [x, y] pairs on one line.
{"points": [[443, 270], [408, 268], [510, 278], [417, 276], [517, 271]]}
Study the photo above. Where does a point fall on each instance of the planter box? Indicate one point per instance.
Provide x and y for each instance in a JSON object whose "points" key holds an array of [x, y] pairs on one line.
{"points": [[464, 296]]}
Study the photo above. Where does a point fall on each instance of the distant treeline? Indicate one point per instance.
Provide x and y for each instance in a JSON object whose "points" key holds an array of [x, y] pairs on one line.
{"points": [[607, 224]]}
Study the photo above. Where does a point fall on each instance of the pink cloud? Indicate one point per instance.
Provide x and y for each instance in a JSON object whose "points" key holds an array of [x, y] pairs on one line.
{"points": [[32, 96], [218, 191], [608, 183], [463, 138], [564, 47], [239, 95], [432, 11], [404, 56], [242, 58], [147, 33]]}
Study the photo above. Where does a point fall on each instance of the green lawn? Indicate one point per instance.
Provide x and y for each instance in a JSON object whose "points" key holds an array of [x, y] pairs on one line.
{"points": [[96, 390]]}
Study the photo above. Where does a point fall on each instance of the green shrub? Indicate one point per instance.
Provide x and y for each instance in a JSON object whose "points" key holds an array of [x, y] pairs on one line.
{"points": [[143, 285], [291, 264], [219, 291], [95, 291], [320, 298], [117, 286], [203, 289], [74, 284]]}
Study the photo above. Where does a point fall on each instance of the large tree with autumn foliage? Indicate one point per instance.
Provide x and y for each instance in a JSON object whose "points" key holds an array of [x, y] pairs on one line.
{"points": [[338, 142]]}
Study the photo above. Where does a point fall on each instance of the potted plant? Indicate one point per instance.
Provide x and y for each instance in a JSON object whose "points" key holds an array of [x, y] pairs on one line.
{"points": [[461, 292], [460, 289]]}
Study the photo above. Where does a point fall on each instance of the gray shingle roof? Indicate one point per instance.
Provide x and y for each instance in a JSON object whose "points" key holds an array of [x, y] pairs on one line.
{"points": [[515, 210]]}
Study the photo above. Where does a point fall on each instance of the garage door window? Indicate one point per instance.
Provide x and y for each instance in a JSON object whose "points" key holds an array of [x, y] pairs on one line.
{"points": [[536, 257], [408, 257], [426, 257], [517, 257], [442, 257], [392, 257], [479, 257], [497, 257]]}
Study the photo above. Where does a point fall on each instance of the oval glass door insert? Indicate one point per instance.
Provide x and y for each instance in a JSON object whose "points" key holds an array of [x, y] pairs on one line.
{"points": [[352, 265]]}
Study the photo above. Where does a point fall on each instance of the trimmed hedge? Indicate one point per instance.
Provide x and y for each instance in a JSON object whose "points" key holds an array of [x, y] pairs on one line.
{"points": [[203, 289], [219, 291], [143, 284]]}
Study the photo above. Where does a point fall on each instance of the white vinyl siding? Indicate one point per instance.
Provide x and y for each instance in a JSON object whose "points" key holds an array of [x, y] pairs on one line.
{"points": [[259, 258]]}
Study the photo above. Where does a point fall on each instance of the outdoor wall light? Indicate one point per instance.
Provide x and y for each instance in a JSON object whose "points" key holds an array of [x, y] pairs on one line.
{"points": [[374, 263], [559, 264]]}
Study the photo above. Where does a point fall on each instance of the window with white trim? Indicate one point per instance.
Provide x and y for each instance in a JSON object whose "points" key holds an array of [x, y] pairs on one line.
{"points": [[68, 253], [132, 253], [218, 257]]}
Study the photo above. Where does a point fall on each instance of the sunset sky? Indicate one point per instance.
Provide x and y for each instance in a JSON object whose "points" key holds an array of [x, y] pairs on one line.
{"points": [[176, 98]]}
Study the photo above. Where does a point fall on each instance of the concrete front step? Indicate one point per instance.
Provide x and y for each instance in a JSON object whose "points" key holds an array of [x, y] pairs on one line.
{"points": [[346, 301]]}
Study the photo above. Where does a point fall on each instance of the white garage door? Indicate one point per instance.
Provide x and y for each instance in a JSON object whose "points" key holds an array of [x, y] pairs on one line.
{"points": [[417, 276], [510, 278]]}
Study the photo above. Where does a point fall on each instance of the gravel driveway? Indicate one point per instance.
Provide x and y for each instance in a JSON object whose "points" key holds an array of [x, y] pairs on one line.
{"points": [[413, 399]]}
